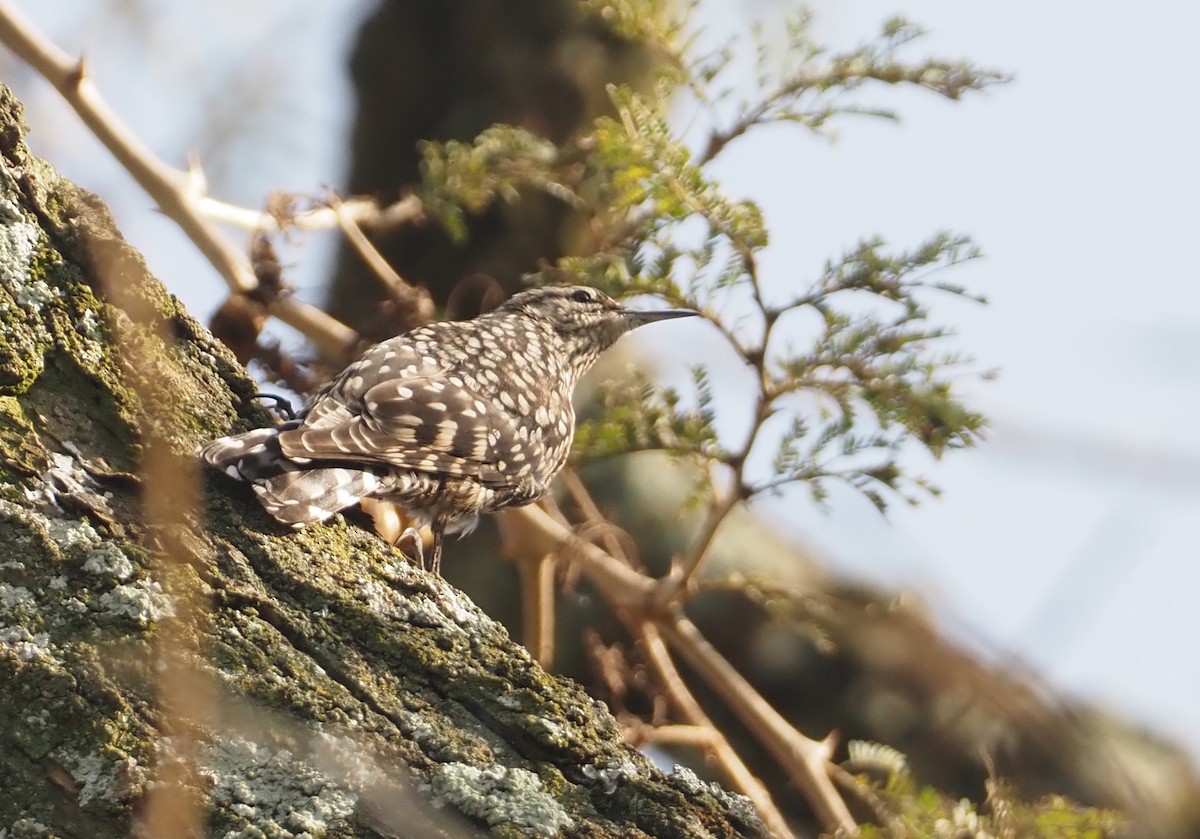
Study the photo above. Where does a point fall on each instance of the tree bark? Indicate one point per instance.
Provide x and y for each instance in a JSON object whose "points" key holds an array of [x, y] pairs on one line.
{"points": [[164, 642]]}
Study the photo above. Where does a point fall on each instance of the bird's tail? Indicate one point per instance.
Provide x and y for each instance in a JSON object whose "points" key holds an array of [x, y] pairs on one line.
{"points": [[295, 493], [252, 456], [303, 497]]}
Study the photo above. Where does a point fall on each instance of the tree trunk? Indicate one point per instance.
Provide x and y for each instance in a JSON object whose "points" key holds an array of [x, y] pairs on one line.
{"points": [[176, 663]]}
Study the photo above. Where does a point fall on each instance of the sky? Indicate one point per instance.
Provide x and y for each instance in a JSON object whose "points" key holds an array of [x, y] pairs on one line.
{"points": [[1069, 537], [1067, 542]]}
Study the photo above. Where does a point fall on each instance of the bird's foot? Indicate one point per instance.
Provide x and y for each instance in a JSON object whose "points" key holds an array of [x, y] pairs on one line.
{"points": [[282, 406], [414, 534]]}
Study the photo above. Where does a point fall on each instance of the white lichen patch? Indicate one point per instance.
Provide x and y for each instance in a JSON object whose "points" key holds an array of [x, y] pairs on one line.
{"points": [[96, 776], [612, 773], [25, 828], [12, 597], [26, 645], [108, 560], [510, 701], [432, 611], [557, 732], [418, 611], [18, 244], [18, 240], [737, 805], [88, 326], [282, 795], [74, 604], [379, 598], [500, 795], [143, 600], [39, 719], [459, 610], [385, 601], [345, 759], [71, 534], [32, 296]]}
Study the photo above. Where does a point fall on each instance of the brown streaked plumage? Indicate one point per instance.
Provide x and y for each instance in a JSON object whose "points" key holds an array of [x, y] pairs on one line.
{"points": [[450, 420]]}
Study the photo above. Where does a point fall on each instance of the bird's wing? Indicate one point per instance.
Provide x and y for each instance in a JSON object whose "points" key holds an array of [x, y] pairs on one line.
{"points": [[337, 402], [327, 412], [424, 424]]}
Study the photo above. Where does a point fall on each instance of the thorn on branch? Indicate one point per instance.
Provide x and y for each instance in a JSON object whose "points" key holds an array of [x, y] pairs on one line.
{"points": [[77, 73]]}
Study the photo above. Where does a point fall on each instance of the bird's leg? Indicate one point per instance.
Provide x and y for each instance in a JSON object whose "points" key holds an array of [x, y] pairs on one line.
{"points": [[418, 546], [438, 527]]}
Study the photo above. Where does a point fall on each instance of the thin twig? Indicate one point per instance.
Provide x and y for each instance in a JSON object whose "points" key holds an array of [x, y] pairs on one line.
{"points": [[536, 574], [675, 584], [806, 761], [171, 188], [720, 507], [714, 741], [591, 512], [533, 529], [364, 212], [400, 290]]}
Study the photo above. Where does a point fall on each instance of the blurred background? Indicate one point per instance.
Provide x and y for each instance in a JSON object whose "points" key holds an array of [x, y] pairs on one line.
{"points": [[1062, 550]]}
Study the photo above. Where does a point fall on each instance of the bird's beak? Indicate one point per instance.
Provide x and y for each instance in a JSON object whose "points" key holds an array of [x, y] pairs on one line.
{"points": [[641, 318]]}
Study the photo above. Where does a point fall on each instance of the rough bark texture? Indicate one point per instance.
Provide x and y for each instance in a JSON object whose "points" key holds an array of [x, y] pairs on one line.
{"points": [[351, 692]]}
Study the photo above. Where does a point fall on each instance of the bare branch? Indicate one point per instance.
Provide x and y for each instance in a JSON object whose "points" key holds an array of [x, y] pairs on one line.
{"points": [[414, 299], [172, 189], [806, 761], [705, 733]]}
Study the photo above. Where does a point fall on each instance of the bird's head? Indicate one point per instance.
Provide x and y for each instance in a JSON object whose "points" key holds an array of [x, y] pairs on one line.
{"points": [[587, 320]]}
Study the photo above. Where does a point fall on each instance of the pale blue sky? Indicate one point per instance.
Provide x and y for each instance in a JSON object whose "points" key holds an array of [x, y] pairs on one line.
{"points": [[1067, 540]]}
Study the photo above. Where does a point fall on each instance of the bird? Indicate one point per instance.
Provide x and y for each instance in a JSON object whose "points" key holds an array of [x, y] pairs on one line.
{"points": [[449, 421]]}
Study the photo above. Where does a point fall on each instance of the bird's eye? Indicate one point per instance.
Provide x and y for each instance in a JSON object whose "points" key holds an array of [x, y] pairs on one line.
{"points": [[581, 295]]}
